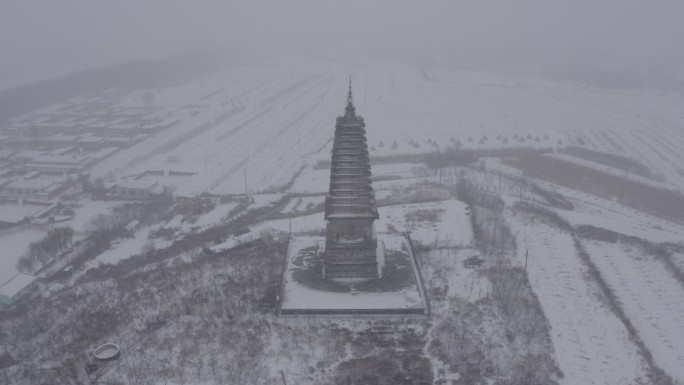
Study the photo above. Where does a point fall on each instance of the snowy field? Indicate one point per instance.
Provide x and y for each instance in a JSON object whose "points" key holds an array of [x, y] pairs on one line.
{"points": [[269, 120], [263, 129], [600, 212], [438, 224], [651, 297], [592, 345]]}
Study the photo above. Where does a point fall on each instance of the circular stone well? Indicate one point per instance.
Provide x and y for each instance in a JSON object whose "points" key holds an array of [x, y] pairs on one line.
{"points": [[107, 352]]}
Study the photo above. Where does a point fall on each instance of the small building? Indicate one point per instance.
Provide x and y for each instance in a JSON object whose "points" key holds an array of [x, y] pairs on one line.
{"points": [[130, 229], [59, 163], [27, 155], [124, 140], [15, 212], [90, 141], [37, 189], [136, 189], [16, 287]]}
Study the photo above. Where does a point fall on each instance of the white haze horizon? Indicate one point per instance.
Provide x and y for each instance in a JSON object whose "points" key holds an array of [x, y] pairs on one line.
{"points": [[45, 39]]}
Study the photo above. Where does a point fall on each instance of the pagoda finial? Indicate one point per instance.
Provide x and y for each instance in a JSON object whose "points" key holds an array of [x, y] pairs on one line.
{"points": [[350, 101]]}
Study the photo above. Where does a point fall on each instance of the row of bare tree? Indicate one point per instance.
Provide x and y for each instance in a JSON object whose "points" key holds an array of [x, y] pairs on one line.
{"points": [[55, 243]]}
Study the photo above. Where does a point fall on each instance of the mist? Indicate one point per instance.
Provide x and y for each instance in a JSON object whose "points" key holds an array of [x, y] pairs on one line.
{"points": [[350, 192], [42, 39]]}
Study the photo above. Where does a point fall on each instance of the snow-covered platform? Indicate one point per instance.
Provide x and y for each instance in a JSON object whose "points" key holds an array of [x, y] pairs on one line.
{"points": [[400, 290]]}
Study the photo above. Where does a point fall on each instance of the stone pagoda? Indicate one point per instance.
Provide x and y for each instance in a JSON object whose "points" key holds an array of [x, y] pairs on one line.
{"points": [[350, 210]]}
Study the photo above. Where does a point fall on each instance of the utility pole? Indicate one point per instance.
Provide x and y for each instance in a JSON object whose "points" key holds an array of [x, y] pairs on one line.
{"points": [[245, 180], [71, 271], [283, 375], [526, 255], [499, 193], [206, 175]]}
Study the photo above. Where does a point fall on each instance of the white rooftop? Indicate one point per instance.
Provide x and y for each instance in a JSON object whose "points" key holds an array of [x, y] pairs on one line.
{"points": [[132, 225], [31, 184], [16, 284]]}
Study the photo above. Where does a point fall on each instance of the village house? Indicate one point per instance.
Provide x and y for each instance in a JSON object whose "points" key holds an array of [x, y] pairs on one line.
{"points": [[130, 229], [16, 287], [34, 189], [136, 189]]}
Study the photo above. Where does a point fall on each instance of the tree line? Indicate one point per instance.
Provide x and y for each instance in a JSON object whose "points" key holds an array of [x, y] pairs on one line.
{"points": [[57, 241]]}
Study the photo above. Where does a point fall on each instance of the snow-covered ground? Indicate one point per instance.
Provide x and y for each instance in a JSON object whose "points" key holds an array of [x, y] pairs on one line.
{"points": [[609, 214], [86, 211], [303, 204], [267, 120], [204, 221], [255, 128], [592, 345], [651, 297], [609, 170], [122, 249], [441, 224]]}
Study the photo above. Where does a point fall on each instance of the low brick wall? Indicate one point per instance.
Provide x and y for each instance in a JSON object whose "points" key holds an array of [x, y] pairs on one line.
{"points": [[352, 312], [418, 274]]}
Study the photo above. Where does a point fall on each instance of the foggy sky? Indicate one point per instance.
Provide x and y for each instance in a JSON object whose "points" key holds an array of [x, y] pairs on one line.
{"points": [[73, 34]]}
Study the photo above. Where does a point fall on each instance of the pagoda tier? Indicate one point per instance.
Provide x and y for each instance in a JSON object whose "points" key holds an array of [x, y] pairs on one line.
{"points": [[350, 208], [351, 193]]}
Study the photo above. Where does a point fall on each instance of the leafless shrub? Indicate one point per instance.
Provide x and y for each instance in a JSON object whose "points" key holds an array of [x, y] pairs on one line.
{"points": [[545, 215], [553, 198], [519, 305], [492, 235]]}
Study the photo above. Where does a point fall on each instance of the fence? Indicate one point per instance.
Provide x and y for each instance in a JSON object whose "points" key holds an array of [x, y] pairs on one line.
{"points": [[353, 312]]}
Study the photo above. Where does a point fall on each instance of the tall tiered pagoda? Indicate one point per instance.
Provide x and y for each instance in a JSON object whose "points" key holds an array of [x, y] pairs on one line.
{"points": [[350, 209]]}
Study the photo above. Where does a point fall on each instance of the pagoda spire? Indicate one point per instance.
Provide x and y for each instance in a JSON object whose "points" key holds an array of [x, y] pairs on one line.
{"points": [[350, 110]]}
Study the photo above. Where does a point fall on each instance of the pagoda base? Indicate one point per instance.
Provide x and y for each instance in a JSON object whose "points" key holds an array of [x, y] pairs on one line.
{"points": [[397, 289], [351, 261], [350, 271]]}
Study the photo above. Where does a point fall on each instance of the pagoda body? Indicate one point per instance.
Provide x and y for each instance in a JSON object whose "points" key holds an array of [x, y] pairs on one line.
{"points": [[350, 209]]}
